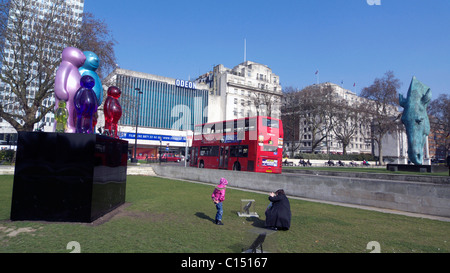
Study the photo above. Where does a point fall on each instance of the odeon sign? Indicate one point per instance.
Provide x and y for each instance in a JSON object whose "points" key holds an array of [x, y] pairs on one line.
{"points": [[185, 84]]}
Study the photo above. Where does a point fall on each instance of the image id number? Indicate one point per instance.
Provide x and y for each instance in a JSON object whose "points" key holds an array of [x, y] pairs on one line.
{"points": [[245, 262]]}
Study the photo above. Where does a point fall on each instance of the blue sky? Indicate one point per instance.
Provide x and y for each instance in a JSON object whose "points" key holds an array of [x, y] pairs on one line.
{"points": [[348, 41]]}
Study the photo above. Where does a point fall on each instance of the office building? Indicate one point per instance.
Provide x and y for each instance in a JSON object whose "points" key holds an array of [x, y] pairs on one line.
{"points": [[165, 109]]}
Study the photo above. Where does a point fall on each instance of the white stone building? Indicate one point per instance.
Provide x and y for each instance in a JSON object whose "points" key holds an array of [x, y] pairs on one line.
{"points": [[246, 90], [361, 142]]}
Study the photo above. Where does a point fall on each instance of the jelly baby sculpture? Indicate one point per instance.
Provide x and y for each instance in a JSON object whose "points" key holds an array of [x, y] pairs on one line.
{"points": [[86, 105], [112, 110], [61, 115], [89, 67], [67, 82]]}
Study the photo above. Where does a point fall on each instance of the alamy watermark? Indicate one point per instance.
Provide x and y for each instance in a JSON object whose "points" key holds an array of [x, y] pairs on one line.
{"points": [[74, 246], [374, 246], [373, 2]]}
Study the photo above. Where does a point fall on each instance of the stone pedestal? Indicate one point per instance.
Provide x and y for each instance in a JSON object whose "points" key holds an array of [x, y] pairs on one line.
{"points": [[415, 168], [68, 177]]}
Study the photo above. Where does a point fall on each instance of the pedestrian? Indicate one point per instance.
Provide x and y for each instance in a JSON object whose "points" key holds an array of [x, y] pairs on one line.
{"points": [[278, 214], [218, 196]]}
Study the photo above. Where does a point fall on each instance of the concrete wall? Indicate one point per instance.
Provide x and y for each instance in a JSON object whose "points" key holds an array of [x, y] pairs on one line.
{"points": [[417, 197]]}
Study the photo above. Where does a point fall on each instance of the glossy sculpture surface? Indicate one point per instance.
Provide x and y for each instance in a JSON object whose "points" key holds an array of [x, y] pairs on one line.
{"points": [[112, 110], [86, 105], [415, 119], [68, 177], [61, 115], [67, 82], [89, 67]]}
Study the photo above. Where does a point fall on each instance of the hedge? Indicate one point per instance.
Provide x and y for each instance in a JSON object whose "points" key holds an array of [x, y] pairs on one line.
{"points": [[355, 157]]}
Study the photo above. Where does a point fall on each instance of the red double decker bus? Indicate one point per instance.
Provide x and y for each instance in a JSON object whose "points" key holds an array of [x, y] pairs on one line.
{"points": [[248, 144]]}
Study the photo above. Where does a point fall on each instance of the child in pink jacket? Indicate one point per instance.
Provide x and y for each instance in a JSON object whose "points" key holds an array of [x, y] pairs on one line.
{"points": [[218, 196]]}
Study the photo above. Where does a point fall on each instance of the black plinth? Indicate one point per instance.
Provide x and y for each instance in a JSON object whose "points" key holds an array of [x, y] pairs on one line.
{"points": [[68, 177], [416, 168]]}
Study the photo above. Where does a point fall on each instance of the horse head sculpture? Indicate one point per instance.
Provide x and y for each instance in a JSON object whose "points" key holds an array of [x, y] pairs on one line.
{"points": [[415, 118]]}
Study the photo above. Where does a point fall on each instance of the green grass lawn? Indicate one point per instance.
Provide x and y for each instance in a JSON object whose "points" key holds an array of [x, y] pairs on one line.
{"points": [[174, 216]]}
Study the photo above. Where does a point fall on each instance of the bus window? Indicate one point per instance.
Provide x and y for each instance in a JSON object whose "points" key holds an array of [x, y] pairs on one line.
{"points": [[250, 124], [273, 123], [239, 151], [207, 130], [209, 151], [269, 148]]}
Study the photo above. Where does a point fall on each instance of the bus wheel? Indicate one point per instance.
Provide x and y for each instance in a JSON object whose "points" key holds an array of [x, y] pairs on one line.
{"points": [[236, 167], [201, 164]]}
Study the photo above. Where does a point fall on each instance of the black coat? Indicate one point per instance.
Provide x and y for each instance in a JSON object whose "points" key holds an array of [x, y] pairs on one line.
{"points": [[279, 215]]}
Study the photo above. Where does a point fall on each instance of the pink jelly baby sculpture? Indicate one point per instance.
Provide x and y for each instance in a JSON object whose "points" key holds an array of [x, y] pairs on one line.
{"points": [[85, 102], [67, 82], [112, 110]]}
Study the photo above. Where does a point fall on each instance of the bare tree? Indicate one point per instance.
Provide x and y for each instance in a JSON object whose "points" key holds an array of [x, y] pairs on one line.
{"points": [[95, 36], [346, 122], [383, 96], [32, 41], [291, 109], [439, 112], [266, 102], [307, 115], [318, 113]]}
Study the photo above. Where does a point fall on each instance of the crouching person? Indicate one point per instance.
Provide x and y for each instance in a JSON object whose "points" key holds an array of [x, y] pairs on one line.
{"points": [[278, 214]]}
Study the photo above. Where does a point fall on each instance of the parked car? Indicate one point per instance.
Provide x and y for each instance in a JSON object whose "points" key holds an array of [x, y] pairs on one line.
{"points": [[170, 158]]}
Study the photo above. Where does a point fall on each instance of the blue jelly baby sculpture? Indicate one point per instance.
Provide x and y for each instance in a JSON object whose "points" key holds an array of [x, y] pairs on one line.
{"points": [[89, 67], [86, 105]]}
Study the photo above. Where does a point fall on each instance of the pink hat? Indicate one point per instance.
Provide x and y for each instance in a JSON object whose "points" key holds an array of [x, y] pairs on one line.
{"points": [[223, 181]]}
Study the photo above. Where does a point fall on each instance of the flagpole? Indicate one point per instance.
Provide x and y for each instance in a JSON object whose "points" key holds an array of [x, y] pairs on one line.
{"points": [[245, 50]]}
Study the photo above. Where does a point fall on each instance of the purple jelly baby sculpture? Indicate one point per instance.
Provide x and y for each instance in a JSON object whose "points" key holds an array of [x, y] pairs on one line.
{"points": [[112, 110], [67, 82], [85, 102]]}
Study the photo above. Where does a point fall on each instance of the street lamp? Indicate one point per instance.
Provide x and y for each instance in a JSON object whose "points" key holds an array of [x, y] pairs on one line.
{"points": [[137, 122], [186, 149]]}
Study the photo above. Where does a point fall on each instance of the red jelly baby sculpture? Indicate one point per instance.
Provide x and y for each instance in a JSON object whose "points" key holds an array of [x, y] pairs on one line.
{"points": [[112, 110]]}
